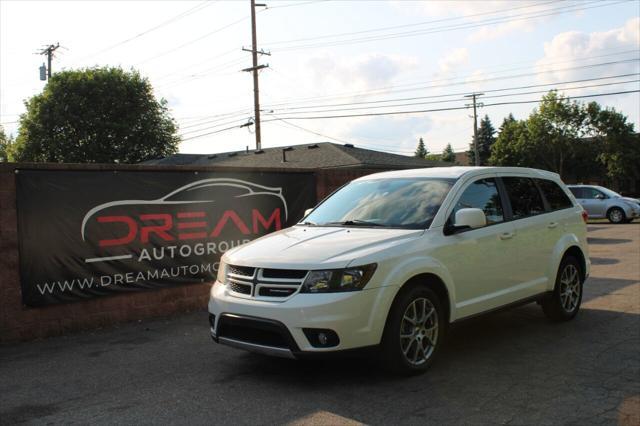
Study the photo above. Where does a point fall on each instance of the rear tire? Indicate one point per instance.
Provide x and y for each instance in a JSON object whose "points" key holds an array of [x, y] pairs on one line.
{"points": [[616, 215], [564, 303], [414, 332]]}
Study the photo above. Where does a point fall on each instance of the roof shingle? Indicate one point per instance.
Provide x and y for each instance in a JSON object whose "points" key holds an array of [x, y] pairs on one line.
{"points": [[324, 155]]}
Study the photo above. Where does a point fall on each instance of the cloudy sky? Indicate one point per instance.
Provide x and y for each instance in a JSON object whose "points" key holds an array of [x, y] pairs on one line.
{"points": [[338, 62]]}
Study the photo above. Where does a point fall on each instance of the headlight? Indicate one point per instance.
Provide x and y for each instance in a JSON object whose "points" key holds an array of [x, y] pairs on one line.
{"points": [[338, 280], [222, 272]]}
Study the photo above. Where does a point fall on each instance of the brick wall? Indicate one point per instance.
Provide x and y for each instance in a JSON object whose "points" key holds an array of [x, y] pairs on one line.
{"points": [[19, 322]]}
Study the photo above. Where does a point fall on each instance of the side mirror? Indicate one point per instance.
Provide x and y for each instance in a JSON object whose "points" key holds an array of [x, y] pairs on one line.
{"points": [[467, 219], [307, 211], [599, 197], [472, 218]]}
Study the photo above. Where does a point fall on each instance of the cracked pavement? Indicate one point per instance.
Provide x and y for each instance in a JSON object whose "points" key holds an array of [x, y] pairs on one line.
{"points": [[512, 367]]}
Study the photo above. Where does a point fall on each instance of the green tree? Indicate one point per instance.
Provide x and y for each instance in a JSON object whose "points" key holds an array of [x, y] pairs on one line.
{"points": [[99, 115], [619, 144], [421, 150], [448, 155], [6, 146], [511, 146], [546, 140], [433, 157], [572, 139], [486, 139]]}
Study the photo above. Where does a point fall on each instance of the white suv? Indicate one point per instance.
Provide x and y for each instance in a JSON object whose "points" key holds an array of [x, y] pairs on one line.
{"points": [[391, 259]]}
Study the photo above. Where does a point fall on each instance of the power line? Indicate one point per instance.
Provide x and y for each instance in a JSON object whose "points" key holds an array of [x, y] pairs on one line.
{"points": [[412, 112], [492, 21], [379, 29], [463, 93], [195, 40], [466, 81], [184, 14], [242, 112], [372, 114], [298, 3], [458, 94], [342, 140]]}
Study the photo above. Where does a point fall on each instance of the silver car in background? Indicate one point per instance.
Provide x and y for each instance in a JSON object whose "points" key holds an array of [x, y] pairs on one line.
{"points": [[600, 202]]}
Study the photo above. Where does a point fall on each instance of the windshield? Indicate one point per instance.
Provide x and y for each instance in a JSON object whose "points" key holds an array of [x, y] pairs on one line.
{"points": [[393, 203], [610, 193]]}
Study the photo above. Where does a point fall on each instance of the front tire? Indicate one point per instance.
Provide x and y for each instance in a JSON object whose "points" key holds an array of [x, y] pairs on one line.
{"points": [[414, 332], [616, 215], [564, 303]]}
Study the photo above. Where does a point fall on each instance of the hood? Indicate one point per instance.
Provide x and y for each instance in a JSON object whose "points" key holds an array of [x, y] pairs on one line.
{"points": [[632, 200], [317, 247]]}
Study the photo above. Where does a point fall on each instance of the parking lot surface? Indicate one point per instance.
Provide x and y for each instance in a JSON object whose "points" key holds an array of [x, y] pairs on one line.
{"points": [[512, 367]]}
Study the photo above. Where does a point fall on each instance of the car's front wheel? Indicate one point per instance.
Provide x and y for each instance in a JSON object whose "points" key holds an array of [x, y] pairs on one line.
{"points": [[616, 215], [564, 303], [414, 332]]}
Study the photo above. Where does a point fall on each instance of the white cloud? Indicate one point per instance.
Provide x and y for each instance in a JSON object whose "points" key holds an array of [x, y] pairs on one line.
{"points": [[453, 60], [570, 49], [363, 72], [476, 11], [492, 32], [391, 133]]}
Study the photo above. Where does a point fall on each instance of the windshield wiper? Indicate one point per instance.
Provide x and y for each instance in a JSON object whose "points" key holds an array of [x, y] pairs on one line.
{"points": [[354, 222], [308, 223]]}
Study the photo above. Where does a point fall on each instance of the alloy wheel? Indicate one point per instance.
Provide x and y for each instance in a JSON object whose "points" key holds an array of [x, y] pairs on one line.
{"points": [[616, 216], [570, 288], [419, 331]]}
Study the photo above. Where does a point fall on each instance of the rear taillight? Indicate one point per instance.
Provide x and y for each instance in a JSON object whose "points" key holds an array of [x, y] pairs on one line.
{"points": [[585, 216]]}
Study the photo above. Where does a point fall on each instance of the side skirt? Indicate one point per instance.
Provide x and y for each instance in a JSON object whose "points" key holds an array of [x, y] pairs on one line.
{"points": [[525, 301]]}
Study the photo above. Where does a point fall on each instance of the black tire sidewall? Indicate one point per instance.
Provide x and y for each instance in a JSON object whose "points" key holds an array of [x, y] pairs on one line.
{"points": [[391, 349]]}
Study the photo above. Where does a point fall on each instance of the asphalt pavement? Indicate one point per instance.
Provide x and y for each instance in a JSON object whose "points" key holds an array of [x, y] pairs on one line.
{"points": [[512, 367]]}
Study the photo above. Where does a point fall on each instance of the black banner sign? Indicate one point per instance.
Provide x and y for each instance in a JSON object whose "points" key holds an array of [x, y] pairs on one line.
{"points": [[91, 233]]}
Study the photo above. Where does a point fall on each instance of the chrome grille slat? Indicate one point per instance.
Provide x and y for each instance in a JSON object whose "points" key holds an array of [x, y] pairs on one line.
{"points": [[278, 285]]}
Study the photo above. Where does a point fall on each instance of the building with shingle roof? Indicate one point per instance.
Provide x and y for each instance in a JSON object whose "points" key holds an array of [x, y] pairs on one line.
{"points": [[324, 155]]}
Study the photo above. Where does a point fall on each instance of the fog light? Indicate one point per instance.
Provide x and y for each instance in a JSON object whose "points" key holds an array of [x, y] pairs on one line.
{"points": [[321, 338]]}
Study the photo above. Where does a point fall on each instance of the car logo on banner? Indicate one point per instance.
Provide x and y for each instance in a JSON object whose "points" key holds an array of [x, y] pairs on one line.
{"points": [[204, 210]]}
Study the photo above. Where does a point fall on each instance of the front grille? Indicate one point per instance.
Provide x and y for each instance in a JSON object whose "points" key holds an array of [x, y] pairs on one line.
{"points": [[295, 274], [240, 288], [268, 284], [240, 270]]}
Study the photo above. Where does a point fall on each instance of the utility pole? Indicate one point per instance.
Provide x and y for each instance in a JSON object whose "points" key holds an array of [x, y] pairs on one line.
{"points": [[49, 52], [475, 125], [255, 68]]}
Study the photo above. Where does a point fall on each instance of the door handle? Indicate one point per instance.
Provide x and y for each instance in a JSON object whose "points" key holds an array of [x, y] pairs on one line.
{"points": [[552, 225], [506, 235]]}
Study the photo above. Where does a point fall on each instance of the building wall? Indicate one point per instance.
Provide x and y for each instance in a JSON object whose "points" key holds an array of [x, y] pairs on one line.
{"points": [[19, 322]]}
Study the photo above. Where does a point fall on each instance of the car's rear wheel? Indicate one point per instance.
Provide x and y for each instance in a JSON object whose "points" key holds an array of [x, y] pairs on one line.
{"points": [[414, 332], [564, 303], [616, 215]]}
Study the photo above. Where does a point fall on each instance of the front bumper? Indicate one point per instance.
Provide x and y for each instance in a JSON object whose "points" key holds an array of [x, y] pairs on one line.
{"points": [[278, 328]]}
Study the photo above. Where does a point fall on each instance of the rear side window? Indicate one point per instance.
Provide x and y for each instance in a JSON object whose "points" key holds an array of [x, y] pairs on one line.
{"points": [[482, 194], [524, 196], [555, 196], [577, 192]]}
